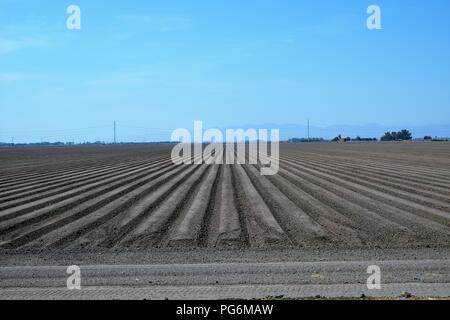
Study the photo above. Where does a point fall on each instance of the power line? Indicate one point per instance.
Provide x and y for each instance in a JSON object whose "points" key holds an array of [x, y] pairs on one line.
{"points": [[56, 131], [93, 133]]}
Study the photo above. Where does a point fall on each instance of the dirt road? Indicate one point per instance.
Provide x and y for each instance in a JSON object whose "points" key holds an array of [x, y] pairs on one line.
{"points": [[224, 280]]}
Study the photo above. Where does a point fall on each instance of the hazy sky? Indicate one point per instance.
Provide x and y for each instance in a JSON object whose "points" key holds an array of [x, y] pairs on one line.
{"points": [[154, 65]]}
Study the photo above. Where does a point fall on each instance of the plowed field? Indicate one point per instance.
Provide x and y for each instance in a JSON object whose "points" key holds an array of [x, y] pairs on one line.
{"points": [[354, 195]]}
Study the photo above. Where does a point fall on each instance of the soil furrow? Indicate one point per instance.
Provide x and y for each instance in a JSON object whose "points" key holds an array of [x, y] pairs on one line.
{"points": [[66, 217], [411, 195], [48, 201], [398, 181], [46, 188], [425, 212]]}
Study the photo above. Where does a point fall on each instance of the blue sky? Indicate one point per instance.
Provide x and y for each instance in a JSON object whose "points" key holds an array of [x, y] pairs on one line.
{"points": [[158, 65]]}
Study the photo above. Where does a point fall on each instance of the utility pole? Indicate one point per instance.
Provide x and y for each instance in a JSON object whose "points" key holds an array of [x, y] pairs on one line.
{"points": [[309, 140], [12, 141], [115, 132]]}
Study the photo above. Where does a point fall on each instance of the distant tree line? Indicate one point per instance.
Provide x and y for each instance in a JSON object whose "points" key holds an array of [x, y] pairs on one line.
{"points": [[430, 138], [400, 135], [388, 136], [295, 140], [5, 144], [358, 138], [403, 134]]}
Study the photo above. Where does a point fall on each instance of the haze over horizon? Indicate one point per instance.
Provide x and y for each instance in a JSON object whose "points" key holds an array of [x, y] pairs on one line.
{"points": [[157, 66], [130, 133]]}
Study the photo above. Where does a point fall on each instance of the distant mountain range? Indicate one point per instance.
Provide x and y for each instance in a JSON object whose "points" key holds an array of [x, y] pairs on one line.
{"points": [[288, 131]]}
